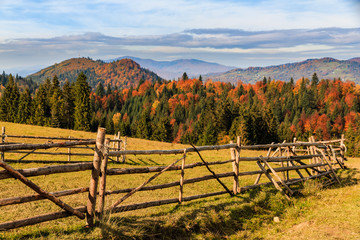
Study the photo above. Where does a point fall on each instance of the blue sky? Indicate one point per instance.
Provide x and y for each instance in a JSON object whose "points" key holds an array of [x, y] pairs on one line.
{"points": [[246, 33]]}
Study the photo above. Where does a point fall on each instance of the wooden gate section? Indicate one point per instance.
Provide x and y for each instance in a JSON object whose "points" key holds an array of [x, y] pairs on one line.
{"points": [[22, 175]]}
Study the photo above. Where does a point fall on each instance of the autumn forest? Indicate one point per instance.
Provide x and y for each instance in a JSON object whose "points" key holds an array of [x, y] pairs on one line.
{"points": [[192, 110]]}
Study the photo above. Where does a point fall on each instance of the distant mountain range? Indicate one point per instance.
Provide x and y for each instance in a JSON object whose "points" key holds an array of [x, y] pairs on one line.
{"points": [[122, 73], [325, 68], [175, 69]]}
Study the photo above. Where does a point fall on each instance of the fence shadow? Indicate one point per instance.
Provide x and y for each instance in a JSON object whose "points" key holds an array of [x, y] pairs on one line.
{"points": [[212, 217], [348, 176]]}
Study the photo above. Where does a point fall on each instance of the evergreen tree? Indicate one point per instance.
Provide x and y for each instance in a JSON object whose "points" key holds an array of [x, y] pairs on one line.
{"points": [[56, 104], [184, 76], [143, 126], [162, 130], [9, 101], [25, 108], [42, 107], [314, 80], [108, 90], [68, 106], [100, 91], [82, 104]]}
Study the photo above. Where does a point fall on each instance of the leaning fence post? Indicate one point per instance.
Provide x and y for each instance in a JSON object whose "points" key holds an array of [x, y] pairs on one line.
{"points": [[3, 141], [102, 182], [91, 204], [181, 190]]}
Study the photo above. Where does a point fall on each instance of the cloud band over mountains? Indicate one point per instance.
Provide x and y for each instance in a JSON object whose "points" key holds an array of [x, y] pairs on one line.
{"points": [[206, 43]]}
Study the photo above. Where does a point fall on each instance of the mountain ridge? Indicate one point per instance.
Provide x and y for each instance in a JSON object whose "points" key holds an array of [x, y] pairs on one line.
{"points": [[327, 68], [121, 73], [174, 69]]}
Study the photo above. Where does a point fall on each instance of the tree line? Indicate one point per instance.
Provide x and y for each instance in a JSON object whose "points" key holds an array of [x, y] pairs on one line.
{"points": [[193, 111], [51, 105]]}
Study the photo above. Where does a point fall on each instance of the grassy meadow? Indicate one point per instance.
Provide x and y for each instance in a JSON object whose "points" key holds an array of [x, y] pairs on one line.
{"points": [[317, 213]]}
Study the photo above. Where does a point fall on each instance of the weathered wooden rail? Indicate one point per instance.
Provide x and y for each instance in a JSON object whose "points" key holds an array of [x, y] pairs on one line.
{"points": [[281, 158], [26, 150]]}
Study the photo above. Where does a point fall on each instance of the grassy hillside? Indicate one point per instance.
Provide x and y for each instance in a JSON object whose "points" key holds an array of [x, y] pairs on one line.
{"points": [[319, 214], [122, 73]]}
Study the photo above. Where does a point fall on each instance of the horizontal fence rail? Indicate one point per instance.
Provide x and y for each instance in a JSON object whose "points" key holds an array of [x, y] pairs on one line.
{"points": [[219, 147], [31, 172]]}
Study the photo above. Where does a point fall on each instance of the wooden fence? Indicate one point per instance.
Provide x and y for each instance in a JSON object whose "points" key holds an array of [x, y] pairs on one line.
{"points": [[85, 150], [323, 158]]}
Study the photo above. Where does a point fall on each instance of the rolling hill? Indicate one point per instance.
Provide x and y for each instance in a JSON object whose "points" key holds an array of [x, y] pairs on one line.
{"points": [[175, 69], [327, 68], [121, 73]]}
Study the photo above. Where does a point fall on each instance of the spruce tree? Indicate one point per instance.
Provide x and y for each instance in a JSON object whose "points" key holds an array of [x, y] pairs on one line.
{"points": [[56, 103], [82, 104], [42, 110], [9, 101], [144, 126], [100, 91], [68, 107], [162, 130], [25, 107]]}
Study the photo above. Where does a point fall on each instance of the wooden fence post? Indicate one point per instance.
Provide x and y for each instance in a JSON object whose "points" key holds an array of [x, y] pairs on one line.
{"points": [[233, 157], [181, 190], [236, 156], [3, 141], [91, 204], [102, 183], [69, 150], [124, 148], [118, 146], [342, 149]]}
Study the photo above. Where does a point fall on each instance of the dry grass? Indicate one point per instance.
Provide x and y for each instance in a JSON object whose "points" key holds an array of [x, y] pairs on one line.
{"points": [[321, 213]]}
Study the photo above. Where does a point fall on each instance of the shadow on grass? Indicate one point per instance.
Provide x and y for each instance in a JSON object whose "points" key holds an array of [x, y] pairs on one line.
{"points": [[349, 176], [215, 218], [212, 218], [52, 232], [140, 161]]}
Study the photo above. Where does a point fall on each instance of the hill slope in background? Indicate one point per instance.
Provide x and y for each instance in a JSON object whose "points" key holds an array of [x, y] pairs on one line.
{"points": [[175, 69], [326, 68], [121, 73]]}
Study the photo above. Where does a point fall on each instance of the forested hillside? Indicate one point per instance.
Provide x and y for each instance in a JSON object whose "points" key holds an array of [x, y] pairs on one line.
{"points": [[121, 73], [192, 111], [22, 83], [327, 68]]}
